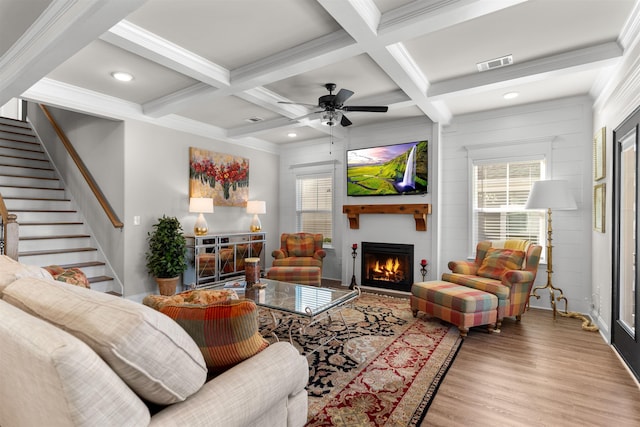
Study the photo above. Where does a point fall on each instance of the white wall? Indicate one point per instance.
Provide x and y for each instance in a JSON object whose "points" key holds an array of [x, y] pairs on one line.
{"points": [[143, 171], [312, 156], [156, 173], [619, 99], [565, 124]]}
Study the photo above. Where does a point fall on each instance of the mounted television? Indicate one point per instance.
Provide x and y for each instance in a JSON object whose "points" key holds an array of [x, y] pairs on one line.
{"points": [[389, 170]]}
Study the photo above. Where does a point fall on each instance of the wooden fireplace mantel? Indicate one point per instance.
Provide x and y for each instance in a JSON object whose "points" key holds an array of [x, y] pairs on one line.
{"points": [[419, 213]]}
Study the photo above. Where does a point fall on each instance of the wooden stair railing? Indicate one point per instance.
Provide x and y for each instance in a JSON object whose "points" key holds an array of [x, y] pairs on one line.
{"points": [[10, 231], [83, 170]]}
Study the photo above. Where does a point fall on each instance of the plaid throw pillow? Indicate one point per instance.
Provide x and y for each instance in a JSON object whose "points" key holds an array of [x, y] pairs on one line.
{"points": [[300, 246], [226, 332], [497, 261]]}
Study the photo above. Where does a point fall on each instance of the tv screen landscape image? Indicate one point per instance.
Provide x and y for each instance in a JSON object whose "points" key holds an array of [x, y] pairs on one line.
{"points": [[388, 170]]}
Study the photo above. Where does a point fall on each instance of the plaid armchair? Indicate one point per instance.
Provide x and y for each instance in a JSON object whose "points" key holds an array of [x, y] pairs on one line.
{"points": [[505, 268], [299, 250]]}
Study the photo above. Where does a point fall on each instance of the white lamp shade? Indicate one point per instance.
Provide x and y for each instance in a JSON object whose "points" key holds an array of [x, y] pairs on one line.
{"points": [[256, 207], [551, 194], [201, 205]]}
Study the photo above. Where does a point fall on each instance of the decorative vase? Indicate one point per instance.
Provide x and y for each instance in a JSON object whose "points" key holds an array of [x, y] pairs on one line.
{"points": [[168, 286]]}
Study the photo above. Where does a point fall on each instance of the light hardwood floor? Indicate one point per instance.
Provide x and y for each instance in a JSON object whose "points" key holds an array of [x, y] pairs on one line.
{"points": [[536, 373]]}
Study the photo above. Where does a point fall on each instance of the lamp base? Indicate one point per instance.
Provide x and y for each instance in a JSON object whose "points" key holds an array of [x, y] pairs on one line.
{"points": [[200, 228], [255, 224]]}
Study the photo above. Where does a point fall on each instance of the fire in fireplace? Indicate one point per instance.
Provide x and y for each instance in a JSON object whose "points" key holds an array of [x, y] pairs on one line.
{"points": [[387, 265]]}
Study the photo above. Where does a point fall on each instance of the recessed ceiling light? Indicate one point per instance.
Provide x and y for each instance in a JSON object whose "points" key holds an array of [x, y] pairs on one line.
{"points": [[122, 76], [510, 95], [292, 134]]}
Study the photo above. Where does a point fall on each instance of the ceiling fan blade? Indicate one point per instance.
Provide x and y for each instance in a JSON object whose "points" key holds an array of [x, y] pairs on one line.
{"points": [[345, 122], [342, 96], [297, 103], [371, 109]]}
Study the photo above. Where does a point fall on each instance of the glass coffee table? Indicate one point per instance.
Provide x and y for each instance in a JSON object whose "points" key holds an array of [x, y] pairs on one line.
{"points": [[300, 306]]}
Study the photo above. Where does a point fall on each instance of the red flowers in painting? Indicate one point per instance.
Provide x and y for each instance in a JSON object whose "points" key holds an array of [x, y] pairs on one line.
{"points": [[230, 175]]}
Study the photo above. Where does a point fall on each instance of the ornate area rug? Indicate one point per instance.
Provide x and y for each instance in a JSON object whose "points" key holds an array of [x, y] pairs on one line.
{"points": [[383, 372]]}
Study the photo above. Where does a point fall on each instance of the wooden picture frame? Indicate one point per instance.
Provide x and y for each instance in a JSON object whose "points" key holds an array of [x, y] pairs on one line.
{"points": [[599, 200], [599, 150]]}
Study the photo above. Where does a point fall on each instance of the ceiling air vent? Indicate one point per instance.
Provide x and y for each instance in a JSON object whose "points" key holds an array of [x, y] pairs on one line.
{"points": [[495, 63], [254, 119]]}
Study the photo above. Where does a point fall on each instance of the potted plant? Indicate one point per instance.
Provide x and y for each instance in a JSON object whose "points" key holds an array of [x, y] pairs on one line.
{"points": [[166, 254]]}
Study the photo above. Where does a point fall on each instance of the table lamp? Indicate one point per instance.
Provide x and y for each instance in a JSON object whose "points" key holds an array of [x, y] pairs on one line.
{"points": [[201, 205], [256, 207]]}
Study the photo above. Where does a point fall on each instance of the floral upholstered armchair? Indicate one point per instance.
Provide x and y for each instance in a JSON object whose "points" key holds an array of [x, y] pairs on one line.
{"points": [[505, 268], [299, 250]]}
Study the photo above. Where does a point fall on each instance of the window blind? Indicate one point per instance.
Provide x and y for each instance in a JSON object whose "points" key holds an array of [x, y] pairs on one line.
{"points": [[500, 192], [314, 204]]}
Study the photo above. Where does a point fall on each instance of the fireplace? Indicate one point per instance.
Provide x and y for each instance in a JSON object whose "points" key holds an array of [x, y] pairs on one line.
{"points": [[387, 265]]}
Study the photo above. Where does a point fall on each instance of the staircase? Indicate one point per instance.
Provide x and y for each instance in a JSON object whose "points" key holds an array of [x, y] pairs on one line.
{"points": [[52, 231]]}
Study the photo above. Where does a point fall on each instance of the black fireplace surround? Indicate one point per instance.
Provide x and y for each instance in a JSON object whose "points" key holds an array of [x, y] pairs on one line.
{"points": [[387, 266]]}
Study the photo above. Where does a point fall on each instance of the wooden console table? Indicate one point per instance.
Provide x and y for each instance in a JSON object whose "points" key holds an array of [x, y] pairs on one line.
{"points": [[419, 213]]}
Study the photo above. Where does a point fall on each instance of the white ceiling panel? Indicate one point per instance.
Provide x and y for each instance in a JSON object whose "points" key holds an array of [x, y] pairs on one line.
{"points": [[218, 63], [91, 69]]}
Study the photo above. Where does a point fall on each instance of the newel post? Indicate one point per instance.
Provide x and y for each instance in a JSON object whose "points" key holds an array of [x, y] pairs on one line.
{"points": [[11, 237]]}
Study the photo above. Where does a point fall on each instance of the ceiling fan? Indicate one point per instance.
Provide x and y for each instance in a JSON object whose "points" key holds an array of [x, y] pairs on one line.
{"points": [[333, 106]]}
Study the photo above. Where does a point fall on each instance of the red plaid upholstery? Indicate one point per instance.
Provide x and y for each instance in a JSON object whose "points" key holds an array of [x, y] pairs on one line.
{"points": [[301, 275], [463, 306], [512, 287], [299, 250]]}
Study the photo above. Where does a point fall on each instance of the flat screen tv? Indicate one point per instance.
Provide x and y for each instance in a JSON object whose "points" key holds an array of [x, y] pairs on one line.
{"points": [[388, 170]]}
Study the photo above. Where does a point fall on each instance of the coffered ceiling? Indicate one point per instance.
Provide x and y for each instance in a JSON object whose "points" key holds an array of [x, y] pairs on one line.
{"points": [[220, 68]]}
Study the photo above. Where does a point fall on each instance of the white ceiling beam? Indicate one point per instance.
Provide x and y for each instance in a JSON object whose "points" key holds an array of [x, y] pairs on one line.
{"points": [[65, 27], [422, 17], [73, 98], [325, 50], [141, 42], [356, 17], [560, 64]]}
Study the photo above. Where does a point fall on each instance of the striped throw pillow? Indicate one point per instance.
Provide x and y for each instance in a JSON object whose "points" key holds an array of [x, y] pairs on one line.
{"points": [[497, 261], [226, 332]]}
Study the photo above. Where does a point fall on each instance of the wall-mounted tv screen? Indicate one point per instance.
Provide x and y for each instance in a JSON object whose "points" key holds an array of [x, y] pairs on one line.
{"points": [[388, 170]]}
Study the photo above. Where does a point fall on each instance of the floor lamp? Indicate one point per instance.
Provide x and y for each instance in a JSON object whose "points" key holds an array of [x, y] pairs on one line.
{"points": [[554, 194]]}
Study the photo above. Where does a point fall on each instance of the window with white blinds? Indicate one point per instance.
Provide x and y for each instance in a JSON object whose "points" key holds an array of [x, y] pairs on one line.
{"points": [[314, 204], [500, 192]]}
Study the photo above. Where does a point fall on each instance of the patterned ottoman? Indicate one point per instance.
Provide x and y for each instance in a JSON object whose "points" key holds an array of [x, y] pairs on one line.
{"points": [[464, 307], [301, 275]]}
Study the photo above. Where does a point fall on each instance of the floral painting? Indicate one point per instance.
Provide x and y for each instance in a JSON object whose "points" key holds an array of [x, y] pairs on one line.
{"points": [[223, 177]]}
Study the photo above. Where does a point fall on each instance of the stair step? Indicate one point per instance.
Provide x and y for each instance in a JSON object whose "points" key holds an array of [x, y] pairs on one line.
{"points": [[68, 236], [83, 264], [54, 251], [6, 135], [27, 191], [30, 159], [38, 168], [8, 121], [28, 182], [98, 279], [114, 293]]}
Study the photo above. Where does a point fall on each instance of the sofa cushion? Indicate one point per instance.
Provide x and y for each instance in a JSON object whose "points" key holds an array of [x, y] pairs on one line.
{"points": [[149, 351], [11, 270], [197, 296], [497, 261], [226, 332], [72, 276], [300, 245], [51, 378]]}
